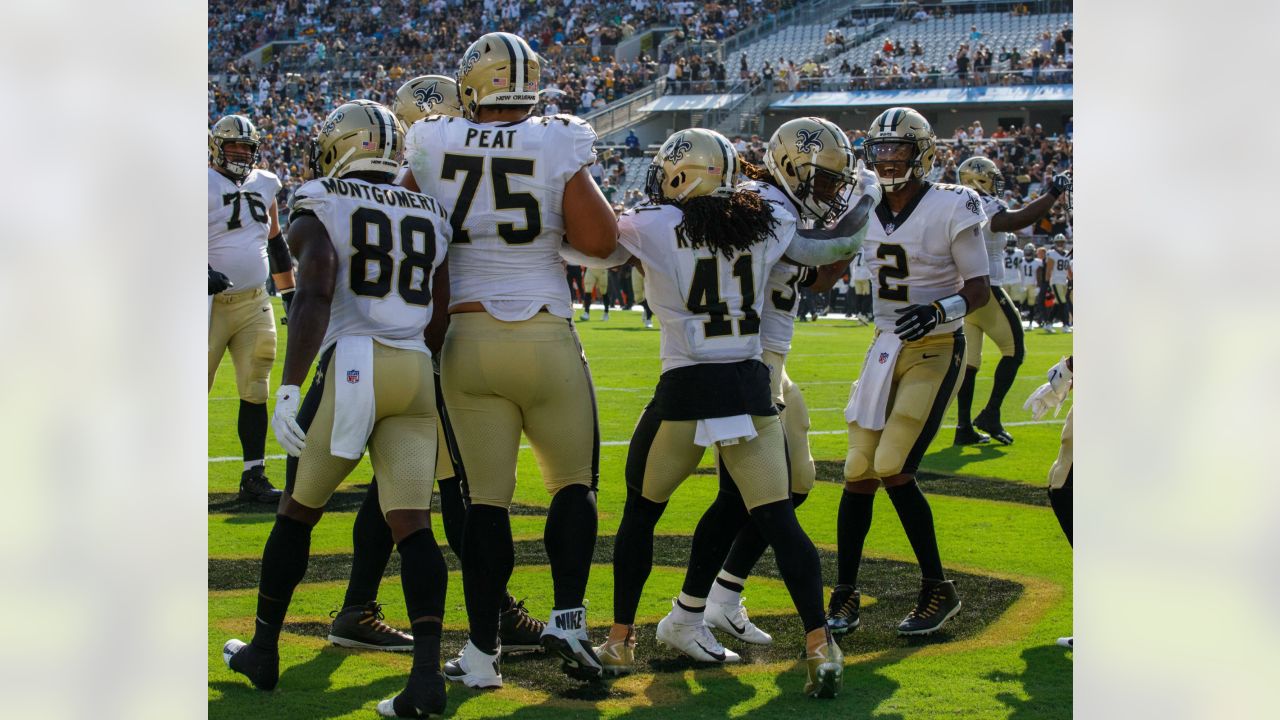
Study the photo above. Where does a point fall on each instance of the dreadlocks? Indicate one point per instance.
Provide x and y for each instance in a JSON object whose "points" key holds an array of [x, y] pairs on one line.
{"points": [[759, 173], [727, 225]]}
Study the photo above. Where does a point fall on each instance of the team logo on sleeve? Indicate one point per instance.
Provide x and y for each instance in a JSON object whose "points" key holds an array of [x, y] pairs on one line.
{"points": [[972, 204], [426, 98], [808, 141], [678, 150]]}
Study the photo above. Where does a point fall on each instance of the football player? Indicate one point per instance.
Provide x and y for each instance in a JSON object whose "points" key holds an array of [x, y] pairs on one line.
{"points": [[368, 255], [998, 319], [359, 623], [925, 250], [707, 248], [1050, 396], [809, 168], [516, 187], [861, 288], [1029, 272], [245, 245], [1057, 269], [595, 279]]}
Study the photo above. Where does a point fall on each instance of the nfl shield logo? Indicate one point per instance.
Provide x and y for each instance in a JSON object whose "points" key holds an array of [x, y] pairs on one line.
{"points": [[353, 376], [884, 356], [889, 228]]}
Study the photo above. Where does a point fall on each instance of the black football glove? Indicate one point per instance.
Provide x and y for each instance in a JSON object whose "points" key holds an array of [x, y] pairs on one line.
{"points": [[1061, 183], [916, 321], [217, 281], [286, 299]]}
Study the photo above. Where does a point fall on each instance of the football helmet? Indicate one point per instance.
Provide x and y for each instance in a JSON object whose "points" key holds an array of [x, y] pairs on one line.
{"points": [[810, 157], [693, 163], [1059, 239], [357, 137], [234, 129], [498, 69], [426, 95], [981, 174], [897, 127], [1029, 250]]}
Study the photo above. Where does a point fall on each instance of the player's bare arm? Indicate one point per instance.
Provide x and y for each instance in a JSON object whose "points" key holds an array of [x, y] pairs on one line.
{"points": [[309, 318], [589, 223], [439, 323]]}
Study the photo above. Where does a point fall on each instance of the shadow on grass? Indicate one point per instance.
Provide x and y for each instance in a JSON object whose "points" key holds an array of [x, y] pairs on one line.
{"points": [[1042, 681], [305, 691]]}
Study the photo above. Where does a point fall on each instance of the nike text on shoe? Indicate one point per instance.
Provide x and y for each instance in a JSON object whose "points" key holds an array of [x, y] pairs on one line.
{"points": [[844, 610], [696, 641], [566, 636], [733, 620], [423, 696], [261, 667], [255, 487], [518, 631], [825, 670], [618, 658], [990, 422], [474, 668], [361, 626], [938, 603]]}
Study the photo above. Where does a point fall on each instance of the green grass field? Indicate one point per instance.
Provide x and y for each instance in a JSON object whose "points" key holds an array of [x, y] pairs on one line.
{"points": [[998, 538]]}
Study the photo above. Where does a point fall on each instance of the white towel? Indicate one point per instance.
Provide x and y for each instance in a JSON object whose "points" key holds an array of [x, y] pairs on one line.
{"points": [[353, 400], [724, 431], [869, 398]]}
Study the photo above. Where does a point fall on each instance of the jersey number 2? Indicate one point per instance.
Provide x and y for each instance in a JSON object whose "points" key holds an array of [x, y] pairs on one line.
{"points": [[704, 298], [898, 271], [375, 248]]}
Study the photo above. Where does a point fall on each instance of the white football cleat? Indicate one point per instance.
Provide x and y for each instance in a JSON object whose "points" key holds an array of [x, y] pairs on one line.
{"points": [[696, 641], [1068, 642], [474, 668], [733, 620], [566, 636]]}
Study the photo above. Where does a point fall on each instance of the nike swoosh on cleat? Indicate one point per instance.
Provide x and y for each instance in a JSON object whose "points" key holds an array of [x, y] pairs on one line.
{"points": [[718, 656], [739, 630]]}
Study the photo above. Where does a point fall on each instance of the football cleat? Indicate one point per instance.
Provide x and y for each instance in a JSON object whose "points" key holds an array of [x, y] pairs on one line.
{"points": [[1067, 642], [261, 667], [474, 668], [825, 670], [733, 620], [938, 603], [648, 323], [969, 436], [584, 317], [843, 612], [423, 695], [618, 657], [361, 627], [606, 316], [255, 487], [566, 636], [694, 640], [990, 422], [518, 631]]}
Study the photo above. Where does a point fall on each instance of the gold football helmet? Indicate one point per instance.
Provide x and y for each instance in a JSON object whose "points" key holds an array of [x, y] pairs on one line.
{"points": [[982, 175], [693, 163], [498, 69], [234, 129], [889, 132], [357, 137], [812, 160], [426, 95]]}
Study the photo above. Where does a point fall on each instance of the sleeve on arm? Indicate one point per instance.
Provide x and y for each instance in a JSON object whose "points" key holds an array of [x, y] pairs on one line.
{"points": [[579, 151], [970, 252]]}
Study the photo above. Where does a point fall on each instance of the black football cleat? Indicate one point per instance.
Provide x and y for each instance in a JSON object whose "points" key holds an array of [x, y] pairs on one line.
{"points": [[990, 422], [517, 630], [361, 627], [255, 487], [423, 696], [966, 435], [844, 610], [261, 667], [938, 603]]}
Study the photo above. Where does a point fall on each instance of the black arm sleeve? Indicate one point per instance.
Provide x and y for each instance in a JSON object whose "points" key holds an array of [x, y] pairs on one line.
{"points": [[278, 254], [808, 276]]}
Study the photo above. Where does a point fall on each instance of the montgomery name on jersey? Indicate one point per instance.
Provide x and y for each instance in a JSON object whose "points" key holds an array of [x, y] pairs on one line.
{"points": [[239, 220], [503, 185], [710, 305], [389, 241], [910, 266]]}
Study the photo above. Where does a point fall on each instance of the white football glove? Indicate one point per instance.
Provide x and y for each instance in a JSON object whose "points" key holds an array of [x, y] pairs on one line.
{"points": [[285, 420], [1051, 394], [868, 182]]}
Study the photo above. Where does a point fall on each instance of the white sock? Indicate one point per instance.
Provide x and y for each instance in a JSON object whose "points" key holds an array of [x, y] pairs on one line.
{"points": [[571, 620], [688, 609], [250, 464], [722, 593]]}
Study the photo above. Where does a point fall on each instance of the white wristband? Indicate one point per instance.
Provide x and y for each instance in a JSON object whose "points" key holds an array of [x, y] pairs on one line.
{"points": [[953, 307]]}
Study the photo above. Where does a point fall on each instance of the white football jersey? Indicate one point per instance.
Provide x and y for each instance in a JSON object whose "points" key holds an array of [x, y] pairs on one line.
{"points": [[778, 319], [1058, 264], [389, 242], [859, 269], [710, 306], [239, 221], [1029, 268], [994, 241], [1012, 266], [502, 184], [926, 252]]}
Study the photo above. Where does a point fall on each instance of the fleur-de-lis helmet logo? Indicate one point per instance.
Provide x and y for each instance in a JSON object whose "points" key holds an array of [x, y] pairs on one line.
{"points": [[678, 150], [470, 60], [808, 141], [427, 97], [332, 123]]}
